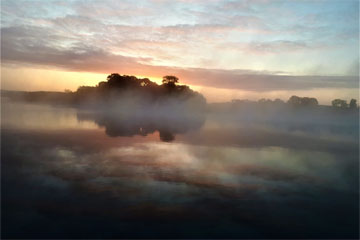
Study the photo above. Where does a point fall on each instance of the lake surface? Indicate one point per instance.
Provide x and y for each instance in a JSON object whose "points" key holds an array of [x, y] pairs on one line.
{"points": [[68, 173]]}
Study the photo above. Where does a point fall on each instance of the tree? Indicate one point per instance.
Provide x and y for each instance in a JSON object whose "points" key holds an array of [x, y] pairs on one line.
{"points": [[278, 101], [144, 82], [115, 80], [353, 104], [303, 101], [294, 100], [166, 136], [263, 100], [170, 80], [339, 103]]}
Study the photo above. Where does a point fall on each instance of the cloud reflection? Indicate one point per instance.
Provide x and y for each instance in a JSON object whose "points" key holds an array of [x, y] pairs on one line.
{"points": [[220, 181], [189, 187], [122, 124]]}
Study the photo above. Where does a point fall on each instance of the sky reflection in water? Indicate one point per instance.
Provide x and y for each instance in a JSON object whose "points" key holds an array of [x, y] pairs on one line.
{"points": [[63, 176]]}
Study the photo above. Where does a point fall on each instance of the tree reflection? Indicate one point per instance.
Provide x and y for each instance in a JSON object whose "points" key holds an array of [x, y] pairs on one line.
{"points": [[127, 125]]}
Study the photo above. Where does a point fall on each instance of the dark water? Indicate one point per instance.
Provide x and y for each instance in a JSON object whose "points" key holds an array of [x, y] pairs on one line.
{"points": [[73, 174]]}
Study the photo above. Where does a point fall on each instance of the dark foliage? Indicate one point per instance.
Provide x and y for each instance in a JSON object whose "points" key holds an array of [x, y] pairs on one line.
{"points": [[117, 84], [342, 104], [117, 88], [302, 101], [339, 103], [353, 104]]}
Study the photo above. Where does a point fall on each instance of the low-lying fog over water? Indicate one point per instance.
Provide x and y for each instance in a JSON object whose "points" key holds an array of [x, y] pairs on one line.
{"points": [[226, 173]]}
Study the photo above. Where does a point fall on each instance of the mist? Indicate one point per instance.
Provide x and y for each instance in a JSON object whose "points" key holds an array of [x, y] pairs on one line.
{"points": [[102, 162], [134, 116], [179, 119]]}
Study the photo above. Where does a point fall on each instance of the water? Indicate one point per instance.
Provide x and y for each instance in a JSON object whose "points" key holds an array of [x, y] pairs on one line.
{"points": [[68, 173]]}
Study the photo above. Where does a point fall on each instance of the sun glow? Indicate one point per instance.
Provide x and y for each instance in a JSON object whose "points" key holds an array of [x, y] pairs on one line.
{"points": [[35, 79], [158, 80]]}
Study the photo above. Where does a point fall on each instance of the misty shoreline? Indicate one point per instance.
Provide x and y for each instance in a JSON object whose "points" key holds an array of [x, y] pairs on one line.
{"points": [[63, 98], [127, 106]]}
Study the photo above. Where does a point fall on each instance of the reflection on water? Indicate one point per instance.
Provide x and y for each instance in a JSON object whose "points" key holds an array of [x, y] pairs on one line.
{"points": [[212, 181], [125, 124], [39, 116]]}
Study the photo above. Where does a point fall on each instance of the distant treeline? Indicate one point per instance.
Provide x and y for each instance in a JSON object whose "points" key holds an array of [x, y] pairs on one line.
{"points": [[300, 102]]}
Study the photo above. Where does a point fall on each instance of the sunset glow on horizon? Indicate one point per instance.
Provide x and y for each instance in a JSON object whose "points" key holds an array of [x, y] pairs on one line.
{"points": [[223, 49]]}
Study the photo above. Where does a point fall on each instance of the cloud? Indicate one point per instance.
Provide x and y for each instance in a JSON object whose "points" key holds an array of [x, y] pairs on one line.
{"points": [[277, 46], [34, 45], [199, 41]]}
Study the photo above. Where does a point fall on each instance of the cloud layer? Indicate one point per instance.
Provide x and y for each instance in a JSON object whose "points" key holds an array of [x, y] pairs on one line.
{"points": [[250, 45]]}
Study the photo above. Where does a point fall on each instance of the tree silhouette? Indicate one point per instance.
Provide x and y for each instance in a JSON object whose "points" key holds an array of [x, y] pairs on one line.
{"points": [[170, 80], [166, 136], [353, 104], [119, 87], [294, 100], [302, 101], [263, 100], [116, 80], [339, 103], [142, 88], [306, 101], [278, 101]]}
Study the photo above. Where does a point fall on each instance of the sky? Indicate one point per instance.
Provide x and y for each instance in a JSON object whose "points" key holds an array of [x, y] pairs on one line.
{"points": [[248, 49]]}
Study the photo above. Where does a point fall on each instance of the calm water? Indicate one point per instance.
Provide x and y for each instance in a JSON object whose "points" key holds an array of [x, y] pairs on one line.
{"points": [[72, 174]]}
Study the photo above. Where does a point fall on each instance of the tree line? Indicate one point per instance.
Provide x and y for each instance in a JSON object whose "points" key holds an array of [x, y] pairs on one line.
{"points": [[117, 83], [297, 101], [339, 103], [336, 103]]}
